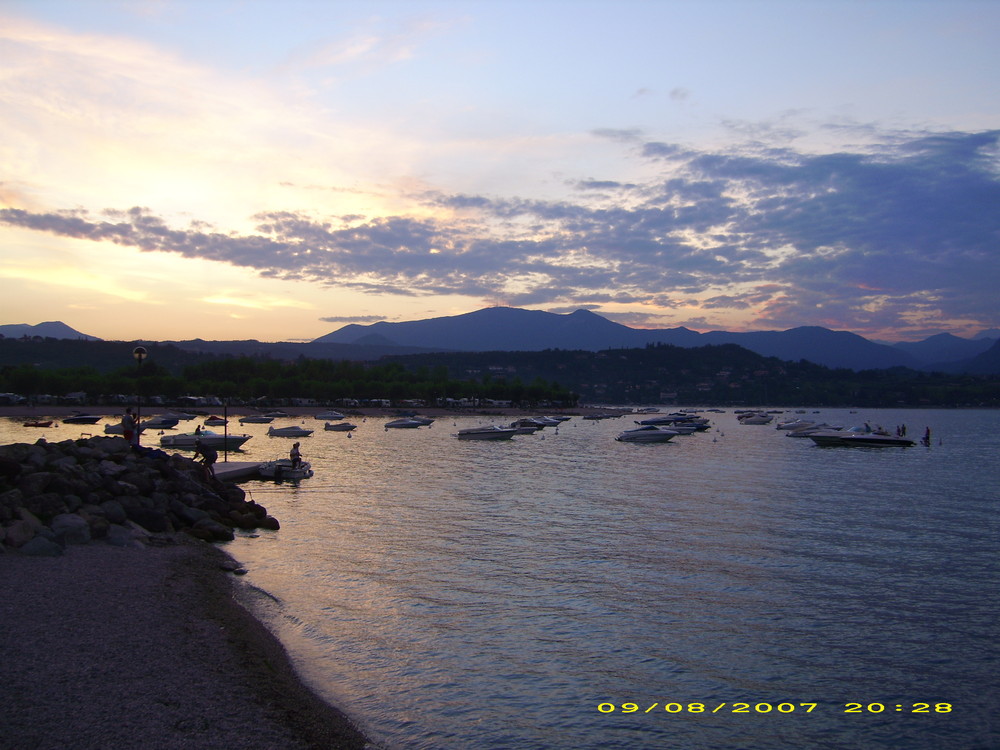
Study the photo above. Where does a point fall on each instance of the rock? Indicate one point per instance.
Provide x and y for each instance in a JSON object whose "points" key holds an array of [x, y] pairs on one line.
{"points": [[99, 487], [150, 519], [119, 536], [114, 511], [35, 483], [218, 531], [270, 522], [41, 547], [70, 528]]}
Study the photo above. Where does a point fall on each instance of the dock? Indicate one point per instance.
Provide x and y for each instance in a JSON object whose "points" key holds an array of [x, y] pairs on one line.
{"points": [[236, 471]]}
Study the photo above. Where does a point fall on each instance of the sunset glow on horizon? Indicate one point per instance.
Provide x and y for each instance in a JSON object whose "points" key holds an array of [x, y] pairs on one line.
{"points": [[232, 170]]}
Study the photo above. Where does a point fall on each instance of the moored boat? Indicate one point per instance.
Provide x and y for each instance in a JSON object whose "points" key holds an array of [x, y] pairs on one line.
{"points": [[330, 415], [292, 431], [339, 426], [646, 434], [486, 432], [405, 423], [188, 440], [256, 419], [862, 435], [282, 469], [37, 423], [79, 418]]}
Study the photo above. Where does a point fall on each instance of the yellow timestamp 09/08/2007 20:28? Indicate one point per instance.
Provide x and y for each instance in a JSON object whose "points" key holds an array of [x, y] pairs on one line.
{"points": [[766, 707]]}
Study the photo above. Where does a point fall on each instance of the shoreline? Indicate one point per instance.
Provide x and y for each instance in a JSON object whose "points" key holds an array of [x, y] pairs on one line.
{"points": [[24, 411], [120, 647]]}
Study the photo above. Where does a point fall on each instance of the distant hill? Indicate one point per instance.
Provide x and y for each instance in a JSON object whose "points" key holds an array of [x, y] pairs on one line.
{"points": [[513, 329], [51, 330], [944, 347], [987, 363]]}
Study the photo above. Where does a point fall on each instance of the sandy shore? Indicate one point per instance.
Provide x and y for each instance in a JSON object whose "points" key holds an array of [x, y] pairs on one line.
{"points": [[110, 647]]}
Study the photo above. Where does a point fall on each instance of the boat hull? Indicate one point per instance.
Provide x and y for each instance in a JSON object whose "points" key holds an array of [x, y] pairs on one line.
{"points": [[188, 441], [496, 433]]}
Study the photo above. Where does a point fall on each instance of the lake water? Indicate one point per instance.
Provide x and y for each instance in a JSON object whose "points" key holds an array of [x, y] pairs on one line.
{"points": [[739, 588]]}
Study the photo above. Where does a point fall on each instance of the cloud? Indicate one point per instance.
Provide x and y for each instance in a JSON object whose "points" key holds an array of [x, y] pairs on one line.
{"points": [[863, 239], [361, 319]]}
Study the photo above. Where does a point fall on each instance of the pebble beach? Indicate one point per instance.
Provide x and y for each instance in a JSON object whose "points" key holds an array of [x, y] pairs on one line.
{"points": [[143, 644]]}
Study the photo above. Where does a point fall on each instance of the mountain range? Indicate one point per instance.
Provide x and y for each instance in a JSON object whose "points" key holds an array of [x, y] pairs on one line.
{"points": [[515, 329]]}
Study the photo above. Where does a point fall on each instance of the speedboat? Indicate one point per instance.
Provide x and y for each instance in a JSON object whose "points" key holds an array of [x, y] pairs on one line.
{"points": [[863, 435], [282, 469], [181, 415], [525, 427], [406, 423], [330, 415], [487, 432], [214, 421], [339, 426], [646, 434], [256, 419], [756, 419], [38, 424], [274, 414], [118, 429], [79, 418], [187, 440], [812, 429], [293, 431], [794, 424], [162, 422]]}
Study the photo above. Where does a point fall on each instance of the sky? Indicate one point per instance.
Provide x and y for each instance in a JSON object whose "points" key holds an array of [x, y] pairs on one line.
{"points": [[256, 169]]}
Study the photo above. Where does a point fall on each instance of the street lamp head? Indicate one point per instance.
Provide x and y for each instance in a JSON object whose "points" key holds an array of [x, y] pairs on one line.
{"points": [[139, 353]]}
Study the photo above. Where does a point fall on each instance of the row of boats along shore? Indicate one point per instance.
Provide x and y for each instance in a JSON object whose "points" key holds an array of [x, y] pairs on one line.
{"points": [[652, 426]]}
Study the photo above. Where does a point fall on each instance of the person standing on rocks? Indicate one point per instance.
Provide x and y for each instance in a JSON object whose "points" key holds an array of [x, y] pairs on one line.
{"points": [[208, 457], [129, 426]]}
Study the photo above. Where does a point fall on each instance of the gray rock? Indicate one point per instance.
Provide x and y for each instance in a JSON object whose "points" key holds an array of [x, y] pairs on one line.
{"points": [[119, 536], [39, 546], [70, 528], [19, 533], [114, 511]]}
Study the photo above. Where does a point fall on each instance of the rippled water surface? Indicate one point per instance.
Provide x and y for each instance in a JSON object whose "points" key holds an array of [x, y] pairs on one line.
{"points": [[453, 594]]}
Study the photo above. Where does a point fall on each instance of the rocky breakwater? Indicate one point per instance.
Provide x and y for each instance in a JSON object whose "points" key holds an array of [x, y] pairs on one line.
{"points": [[100, 488]]}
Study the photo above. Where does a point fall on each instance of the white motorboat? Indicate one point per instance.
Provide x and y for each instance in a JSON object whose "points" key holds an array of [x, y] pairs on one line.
{"points": [[794, 424], [276, 414], [863, 435], [487, 432], [162, 422], [340, 426], [812, 429], [79, 418], [282, 469], [187, 440], [293, 431], [117, 429], [406, 423], [678, 428], [256, 419], [525, 427], [756, 419], [330, 415], [646, 434], [181, 415]]}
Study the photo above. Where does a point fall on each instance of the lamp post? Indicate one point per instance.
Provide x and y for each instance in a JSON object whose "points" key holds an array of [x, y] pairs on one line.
{"points": [[140, 354]]}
